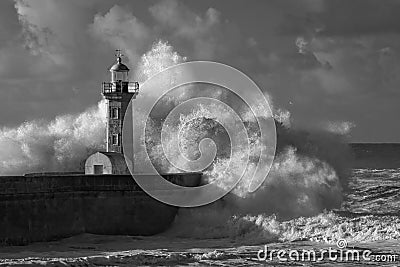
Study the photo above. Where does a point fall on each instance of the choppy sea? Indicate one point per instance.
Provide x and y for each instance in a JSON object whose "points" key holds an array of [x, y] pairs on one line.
{"points": [[368, 220]]}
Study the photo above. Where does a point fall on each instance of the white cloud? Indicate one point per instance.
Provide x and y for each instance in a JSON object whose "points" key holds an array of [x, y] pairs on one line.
{"points": [[339, 127], [301, 44], [206, 33], [122, 30]]}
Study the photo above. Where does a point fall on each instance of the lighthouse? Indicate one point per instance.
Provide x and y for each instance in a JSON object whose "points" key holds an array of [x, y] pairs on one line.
{"points": [[118, 92]]}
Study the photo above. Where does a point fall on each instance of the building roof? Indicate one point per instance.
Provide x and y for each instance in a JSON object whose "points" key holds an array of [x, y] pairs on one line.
{"points": [[119, 67], [115, 157]]}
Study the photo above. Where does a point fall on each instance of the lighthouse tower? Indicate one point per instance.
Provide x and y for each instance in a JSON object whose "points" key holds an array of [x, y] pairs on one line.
{"points": [[118, 93]]}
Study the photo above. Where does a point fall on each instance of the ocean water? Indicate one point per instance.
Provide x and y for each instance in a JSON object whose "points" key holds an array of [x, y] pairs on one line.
{"points": [[368, 220]]}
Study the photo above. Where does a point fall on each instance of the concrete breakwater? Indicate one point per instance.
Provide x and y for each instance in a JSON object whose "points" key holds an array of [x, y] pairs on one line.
{"points": [[43, 207]]}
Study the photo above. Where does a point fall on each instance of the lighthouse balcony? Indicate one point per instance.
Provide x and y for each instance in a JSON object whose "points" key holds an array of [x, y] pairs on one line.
{"points": [[120, 87]]}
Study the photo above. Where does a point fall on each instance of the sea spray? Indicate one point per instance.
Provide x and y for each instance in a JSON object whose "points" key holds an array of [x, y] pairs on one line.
{"points": [[308, 176], [58, 145], [309, 173]]}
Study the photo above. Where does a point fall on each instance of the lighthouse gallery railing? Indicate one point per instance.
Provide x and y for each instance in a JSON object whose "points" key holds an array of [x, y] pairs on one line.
{"points": [[120, 87]]}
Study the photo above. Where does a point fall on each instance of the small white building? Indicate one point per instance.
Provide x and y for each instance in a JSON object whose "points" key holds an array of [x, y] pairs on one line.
{"points": [[106, 163]]}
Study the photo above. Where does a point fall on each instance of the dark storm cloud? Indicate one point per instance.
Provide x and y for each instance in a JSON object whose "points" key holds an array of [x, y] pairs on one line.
{"points": [[340, 58], [340, 17], [360, 17], [356, 46]]}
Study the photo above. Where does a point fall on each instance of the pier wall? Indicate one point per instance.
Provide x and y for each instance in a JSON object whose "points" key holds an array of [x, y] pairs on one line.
{"points": [[45, 207]]}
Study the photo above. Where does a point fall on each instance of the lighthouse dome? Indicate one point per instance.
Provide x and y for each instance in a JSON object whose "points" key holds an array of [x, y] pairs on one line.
{"points": [[119, 67]]}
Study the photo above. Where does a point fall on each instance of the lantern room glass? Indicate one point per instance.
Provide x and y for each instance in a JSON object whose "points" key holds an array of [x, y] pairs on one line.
{"points": [[117, 76]]}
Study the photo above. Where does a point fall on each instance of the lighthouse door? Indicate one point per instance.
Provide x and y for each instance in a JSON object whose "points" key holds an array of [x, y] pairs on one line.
{"points": [[98, 169]]}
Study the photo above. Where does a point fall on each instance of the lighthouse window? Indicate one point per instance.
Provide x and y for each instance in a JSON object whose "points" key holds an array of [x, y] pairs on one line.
{"points": [[114, 113], [115, 139], [120, 76]]}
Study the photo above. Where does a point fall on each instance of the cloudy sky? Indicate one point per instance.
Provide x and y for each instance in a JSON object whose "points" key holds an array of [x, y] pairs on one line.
{"points": [[332, 63]]}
